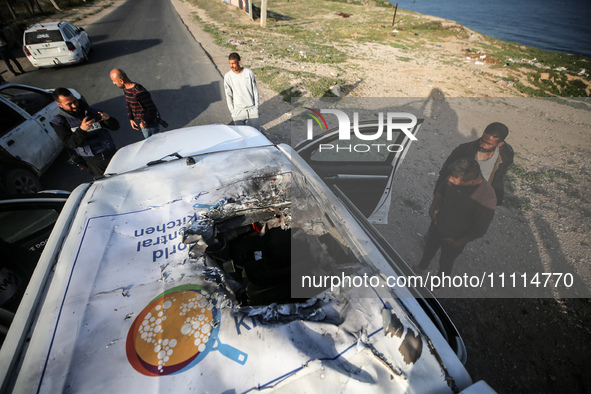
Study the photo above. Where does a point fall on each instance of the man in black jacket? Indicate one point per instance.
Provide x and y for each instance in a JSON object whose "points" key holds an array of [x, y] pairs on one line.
{"points": [[84, 129], [491, 152], [462, 210]]}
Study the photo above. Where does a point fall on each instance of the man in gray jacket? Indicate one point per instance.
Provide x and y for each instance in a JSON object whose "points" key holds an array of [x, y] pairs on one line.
{"points": [[242, 94]]}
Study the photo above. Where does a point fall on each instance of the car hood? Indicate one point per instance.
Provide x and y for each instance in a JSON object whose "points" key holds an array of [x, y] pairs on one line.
{"points": [[136, 305], [194, 140]]}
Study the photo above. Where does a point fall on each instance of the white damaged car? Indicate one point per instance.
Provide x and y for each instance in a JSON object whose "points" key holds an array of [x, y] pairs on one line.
{"points": [[199, 263]]}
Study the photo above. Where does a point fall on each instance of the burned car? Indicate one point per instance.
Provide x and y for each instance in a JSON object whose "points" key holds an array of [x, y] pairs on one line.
{"points": [[185, 268]]}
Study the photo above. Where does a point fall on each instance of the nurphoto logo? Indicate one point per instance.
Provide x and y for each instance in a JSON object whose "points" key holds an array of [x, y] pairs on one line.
{"points": [[395, 121]]}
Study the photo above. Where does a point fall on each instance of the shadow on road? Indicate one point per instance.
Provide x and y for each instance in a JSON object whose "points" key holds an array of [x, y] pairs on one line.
{"points": [[108, 50]]}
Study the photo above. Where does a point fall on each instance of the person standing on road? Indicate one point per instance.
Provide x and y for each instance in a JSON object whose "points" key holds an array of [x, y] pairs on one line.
{"points": [[141, 110], [461, 211], [84, 129], [242, 94], [7, 55]]}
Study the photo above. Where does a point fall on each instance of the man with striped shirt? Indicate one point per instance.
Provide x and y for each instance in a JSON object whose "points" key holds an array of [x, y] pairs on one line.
{"points": [[141, 110]]}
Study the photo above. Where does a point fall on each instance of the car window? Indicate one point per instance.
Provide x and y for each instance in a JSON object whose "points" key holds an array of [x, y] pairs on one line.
{"points": [[43, 36], [23, 234], [18, 225], [24, 230], [72, 29], [68, 31], [356, 149], [10, 119], [30, 100]]}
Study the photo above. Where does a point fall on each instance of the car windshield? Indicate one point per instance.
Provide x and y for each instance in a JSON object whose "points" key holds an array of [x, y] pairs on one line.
{"points": [[265, 230], [43, 36], [245, 219]]}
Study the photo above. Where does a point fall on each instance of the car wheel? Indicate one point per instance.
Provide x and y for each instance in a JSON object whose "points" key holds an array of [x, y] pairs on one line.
{"points": [[85, 55], [21, 181]]}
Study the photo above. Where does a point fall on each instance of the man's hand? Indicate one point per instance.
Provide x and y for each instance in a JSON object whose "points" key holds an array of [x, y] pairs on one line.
{"points": [[104, 116], [433, 215], [134, 125], [86, 123], [434, 207]]}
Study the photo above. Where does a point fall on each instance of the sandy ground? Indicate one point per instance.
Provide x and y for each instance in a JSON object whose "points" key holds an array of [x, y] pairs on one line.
{"points": [[516, 344]]}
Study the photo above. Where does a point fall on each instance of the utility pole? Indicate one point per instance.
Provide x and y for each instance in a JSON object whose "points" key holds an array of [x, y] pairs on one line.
{"points": [[263, 13], [394, 19]]}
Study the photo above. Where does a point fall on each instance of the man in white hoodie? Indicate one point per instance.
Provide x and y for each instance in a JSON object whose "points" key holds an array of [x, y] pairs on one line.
{"points": [[242, 94]]}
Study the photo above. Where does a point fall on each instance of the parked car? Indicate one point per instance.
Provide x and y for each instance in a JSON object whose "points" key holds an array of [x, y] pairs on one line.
{"points": [[55, 44], [28, 143], [180, 270]]}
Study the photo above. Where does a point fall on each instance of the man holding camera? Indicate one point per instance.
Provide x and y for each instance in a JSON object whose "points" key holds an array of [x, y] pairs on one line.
{"points": [[141, 110], [83, 129]]}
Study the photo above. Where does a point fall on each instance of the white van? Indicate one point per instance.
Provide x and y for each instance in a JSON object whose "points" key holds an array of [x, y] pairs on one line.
{"points": [[56, 44]]}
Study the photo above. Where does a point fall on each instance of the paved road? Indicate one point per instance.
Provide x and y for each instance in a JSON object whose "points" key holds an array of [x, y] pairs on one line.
{"points": [[148, 40]]}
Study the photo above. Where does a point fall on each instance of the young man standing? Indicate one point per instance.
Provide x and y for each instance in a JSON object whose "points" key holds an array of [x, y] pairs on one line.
{"points": [[242, 94], [7, 55], [462, 210], [491, 152], [141, 110]]}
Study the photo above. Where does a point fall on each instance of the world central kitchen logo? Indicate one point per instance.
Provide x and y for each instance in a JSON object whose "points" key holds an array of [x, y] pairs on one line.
{"points": [[394, 122]]}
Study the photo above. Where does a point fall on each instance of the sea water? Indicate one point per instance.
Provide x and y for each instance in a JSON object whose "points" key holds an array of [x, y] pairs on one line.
{"points": [[552, 25]]}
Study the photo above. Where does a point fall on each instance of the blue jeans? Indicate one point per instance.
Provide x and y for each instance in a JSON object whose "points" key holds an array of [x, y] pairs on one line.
{"points": [[151, 129]]}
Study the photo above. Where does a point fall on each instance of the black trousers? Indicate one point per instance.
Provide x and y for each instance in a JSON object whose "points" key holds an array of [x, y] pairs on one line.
{"points": [[449, 253], [6, 55], [98, 164]]}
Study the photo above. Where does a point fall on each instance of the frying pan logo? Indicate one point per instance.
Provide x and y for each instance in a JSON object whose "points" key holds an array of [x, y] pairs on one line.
{"points": [[175, 331]]}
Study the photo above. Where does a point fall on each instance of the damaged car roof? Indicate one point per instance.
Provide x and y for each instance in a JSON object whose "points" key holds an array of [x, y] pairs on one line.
{"points": [[185, 142], [175, 277]]}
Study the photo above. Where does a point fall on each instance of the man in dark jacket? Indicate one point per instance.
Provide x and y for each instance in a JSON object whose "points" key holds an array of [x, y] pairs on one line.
{"points": [[84, 129], [6, 53], [493, 154], [462, 210]]}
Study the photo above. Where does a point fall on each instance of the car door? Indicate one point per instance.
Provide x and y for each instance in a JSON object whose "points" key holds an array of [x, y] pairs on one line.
{"points": [[81, 37], [28, 136], [25, 225], [72, 35], [360, 168]]}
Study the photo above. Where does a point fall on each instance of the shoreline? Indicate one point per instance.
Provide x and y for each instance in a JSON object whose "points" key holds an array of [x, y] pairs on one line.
{"points": [[366, 58], [477, 22]]}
